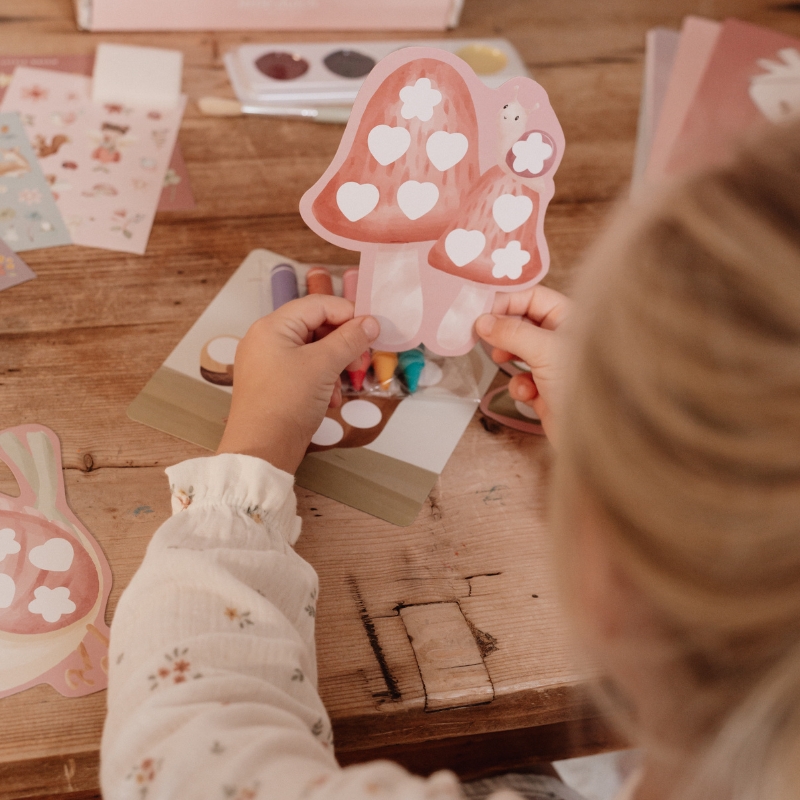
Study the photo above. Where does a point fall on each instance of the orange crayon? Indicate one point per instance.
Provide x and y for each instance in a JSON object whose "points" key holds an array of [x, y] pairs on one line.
{"points": [[383, 365], [319, 281]]}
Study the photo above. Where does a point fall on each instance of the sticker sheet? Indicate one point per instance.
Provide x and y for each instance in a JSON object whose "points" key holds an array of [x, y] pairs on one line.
{"points": [[442, 184], [106, 163], [176, 194], [29, 218], [13, 270], [54, 578], [752, 77]]}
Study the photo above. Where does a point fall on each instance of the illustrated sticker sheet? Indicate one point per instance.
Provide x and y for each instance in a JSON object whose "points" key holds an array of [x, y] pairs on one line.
{"points": [[176, 194], [105, 163], [29, 218], [753, 77], [13, 270], [442, 184]]}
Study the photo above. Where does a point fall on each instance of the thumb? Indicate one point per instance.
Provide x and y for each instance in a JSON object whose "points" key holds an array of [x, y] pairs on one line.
{"points": [[345, 344], [515, 335]]}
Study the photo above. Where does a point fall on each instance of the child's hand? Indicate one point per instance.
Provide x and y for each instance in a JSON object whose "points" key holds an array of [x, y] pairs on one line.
{"points": [[284, 381], [522, 327]]}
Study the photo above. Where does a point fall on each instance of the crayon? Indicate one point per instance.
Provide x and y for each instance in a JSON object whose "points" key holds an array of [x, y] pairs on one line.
{"points": [[356, 371], [384, 364], [319, 281], [283, 282], [350, 283], [411, 362]]}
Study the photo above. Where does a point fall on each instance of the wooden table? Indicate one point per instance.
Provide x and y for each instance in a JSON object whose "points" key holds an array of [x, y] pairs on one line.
{"points": [[78, 344]]}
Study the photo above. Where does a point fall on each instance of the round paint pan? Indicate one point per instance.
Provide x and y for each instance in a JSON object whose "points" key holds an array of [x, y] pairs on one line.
{"points": [[483, 58], [349, 63], [281, 66]]}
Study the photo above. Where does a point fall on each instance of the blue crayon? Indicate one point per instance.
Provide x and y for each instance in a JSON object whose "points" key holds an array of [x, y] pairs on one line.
{"points": [[283, 282], [411, 364]]}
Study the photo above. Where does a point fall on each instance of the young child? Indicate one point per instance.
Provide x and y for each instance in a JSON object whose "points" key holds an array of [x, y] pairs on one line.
{"points": [[675, 410]]}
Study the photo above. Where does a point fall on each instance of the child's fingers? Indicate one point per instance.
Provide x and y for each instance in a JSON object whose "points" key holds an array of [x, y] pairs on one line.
{"points": [[342, 346], [522, 387], [301, 318], [515, 335], [545, 307]]}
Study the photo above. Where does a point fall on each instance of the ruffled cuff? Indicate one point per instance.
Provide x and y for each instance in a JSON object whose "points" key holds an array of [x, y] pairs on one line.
{"points": [[241, 482]]}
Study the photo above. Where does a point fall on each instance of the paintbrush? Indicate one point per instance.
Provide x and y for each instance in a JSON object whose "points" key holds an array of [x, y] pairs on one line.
{"points": [[224, 107]]}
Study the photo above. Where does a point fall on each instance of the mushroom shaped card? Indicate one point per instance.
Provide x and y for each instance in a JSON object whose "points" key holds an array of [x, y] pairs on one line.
{"points": [[54, 578], [442, 184]]}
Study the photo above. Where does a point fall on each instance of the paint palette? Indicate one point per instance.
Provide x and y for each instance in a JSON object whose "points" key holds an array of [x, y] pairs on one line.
{"points": [[332, 74]]}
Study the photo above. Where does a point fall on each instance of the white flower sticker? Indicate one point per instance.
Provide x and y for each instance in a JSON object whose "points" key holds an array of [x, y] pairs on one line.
{"points": [[419, 100], [52, 604], [8, 543], [531, 153], [777, 91], [509, 260], [54, 555]]}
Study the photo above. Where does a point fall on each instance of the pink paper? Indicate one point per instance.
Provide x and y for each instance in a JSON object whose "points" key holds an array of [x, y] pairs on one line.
{"points": [[54, 578], [698, 37], [176, 194], [442, 184], [106, 163], [753, 77]]}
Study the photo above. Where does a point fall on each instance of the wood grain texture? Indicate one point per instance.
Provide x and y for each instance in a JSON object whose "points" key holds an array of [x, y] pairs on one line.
{"points": [[78, 343]]}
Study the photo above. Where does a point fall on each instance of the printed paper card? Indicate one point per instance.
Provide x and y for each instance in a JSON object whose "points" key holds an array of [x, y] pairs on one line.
{"points": [[29, 218], [753, 76], [13, 270], [176, 194], [106, 164], [442, 184]]}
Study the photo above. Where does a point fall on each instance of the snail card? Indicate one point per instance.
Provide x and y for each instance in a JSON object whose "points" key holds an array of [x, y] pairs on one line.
{"points": [[105, 163], [29, 218], [54, 578], [442, 185]]}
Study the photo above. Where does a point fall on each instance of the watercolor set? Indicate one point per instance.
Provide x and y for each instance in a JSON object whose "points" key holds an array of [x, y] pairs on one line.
{"points": [[331, 74]]}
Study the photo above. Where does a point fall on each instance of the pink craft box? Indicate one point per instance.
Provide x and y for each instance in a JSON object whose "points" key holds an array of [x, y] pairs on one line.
{"points": [[268, 15]]}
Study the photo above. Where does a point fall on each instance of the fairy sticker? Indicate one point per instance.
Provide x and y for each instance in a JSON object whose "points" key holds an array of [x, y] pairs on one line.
{"points": [[111, 138], [54, 578], [442, 183]]}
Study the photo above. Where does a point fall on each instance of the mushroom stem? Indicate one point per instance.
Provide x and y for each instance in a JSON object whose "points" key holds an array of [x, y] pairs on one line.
{"points": [[395, 294], [456, 334]]}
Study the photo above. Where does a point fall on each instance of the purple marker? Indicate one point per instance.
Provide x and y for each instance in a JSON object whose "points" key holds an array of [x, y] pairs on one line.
{"points": [[283, 281]]}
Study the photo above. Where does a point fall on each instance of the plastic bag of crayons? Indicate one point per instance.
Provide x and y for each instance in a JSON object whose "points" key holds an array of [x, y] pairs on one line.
{"points": [[377, 373]]}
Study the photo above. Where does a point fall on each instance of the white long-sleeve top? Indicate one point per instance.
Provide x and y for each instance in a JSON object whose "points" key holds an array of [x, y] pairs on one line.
{"points": [[212, 667]]}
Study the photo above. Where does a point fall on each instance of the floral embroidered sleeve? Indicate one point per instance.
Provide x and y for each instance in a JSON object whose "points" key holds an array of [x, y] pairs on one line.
{"points": [[213, 678]]}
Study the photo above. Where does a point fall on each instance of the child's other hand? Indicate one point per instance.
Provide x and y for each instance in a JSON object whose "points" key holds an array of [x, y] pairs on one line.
{"points": [[522, 327], [284, 381]]}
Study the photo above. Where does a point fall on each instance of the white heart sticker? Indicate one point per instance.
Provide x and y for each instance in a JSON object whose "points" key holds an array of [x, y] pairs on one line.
{"points": [[388, 144], [356, 200], [417, 199], [464, 246], [8, 543], [55, 555], [445, 149], [510, 211], [7, 590]]}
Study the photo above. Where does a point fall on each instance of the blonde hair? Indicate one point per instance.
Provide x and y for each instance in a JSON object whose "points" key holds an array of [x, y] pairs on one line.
{"points": [[682, 426]]}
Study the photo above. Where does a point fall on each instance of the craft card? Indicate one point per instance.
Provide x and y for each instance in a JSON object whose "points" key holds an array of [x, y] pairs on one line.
{"points": [[13, 270], [382, 455], [697, 40], [442, 184], [176, 194], [753, 76], [29, 218], [54, 578], [106, 164]]}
